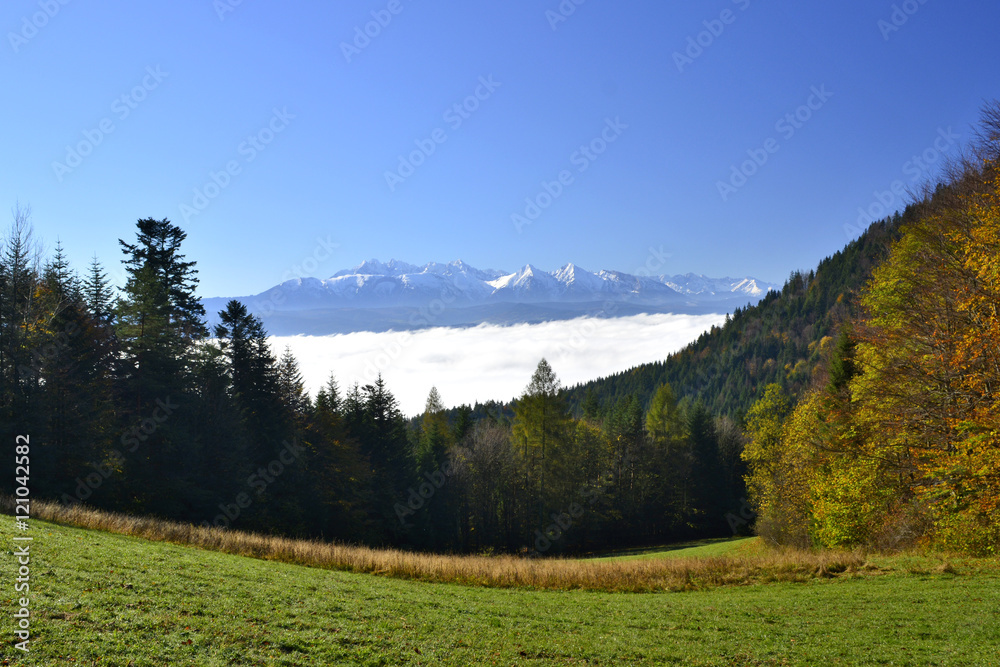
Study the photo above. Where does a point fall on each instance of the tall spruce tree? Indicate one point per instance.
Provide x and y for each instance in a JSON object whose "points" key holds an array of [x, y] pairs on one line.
{"points": [[19, 354], [159, 320], [98, 293], [75, 396], [292, 387], [256, 386]]}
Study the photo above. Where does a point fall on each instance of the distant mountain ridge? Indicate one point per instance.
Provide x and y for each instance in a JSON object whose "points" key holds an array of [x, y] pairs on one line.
{"points": [[377, 296]]}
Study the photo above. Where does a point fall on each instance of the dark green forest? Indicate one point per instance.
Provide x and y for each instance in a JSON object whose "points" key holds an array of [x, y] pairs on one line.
{"points": [[133, 405]]}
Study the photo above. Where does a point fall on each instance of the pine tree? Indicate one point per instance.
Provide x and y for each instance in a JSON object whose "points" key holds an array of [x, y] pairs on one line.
{"points": [[541, 426], [254, 375], [384, 441], [60, 279], [463, 423], [629, 463], [712, 498], [664, 421], [76, 369], [842, 367], [158, 323], [591, 406], [292, 387], [18, 280], [156, 258], [97, 291], [342, 479], [328, 398], [434, 434]]}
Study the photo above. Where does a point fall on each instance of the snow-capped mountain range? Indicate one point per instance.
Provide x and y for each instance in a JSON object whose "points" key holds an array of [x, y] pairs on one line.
{"points": [[376, 296]]}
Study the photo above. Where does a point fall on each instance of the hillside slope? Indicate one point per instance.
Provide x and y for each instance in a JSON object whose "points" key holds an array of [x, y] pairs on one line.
{"points": [[783, 339], [106, 599]]}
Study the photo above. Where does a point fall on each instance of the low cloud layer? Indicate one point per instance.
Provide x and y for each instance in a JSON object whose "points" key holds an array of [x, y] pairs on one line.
{"points": [[490, 362]]}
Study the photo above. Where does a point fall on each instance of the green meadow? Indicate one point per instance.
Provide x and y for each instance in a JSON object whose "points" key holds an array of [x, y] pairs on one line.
{"points": [[696, 548], [106, 599]]}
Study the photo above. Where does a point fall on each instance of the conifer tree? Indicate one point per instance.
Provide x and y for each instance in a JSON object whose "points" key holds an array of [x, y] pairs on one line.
{"points": [[97, 291], [292, 387], [158, 323], [434, 434], [540, 428]]}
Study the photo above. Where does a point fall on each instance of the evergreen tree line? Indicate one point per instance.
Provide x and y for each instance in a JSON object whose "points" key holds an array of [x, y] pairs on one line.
{"points": [[133, 405]]}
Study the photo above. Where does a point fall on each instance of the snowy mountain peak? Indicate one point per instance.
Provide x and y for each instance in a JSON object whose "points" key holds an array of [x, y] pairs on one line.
{"points": [[380, 293], [303, 283], [531, 284], [699, 285], [373, 267], [568, 273]]}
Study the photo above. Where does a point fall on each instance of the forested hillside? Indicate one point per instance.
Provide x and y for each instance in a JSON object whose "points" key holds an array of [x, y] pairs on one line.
{"points": [[131, 404], [901, 443], [858, 402], [781, 340], [135, 406]]}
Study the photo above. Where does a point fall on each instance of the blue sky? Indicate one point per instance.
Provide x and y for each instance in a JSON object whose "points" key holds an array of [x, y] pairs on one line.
{"points": [[308, 129]]}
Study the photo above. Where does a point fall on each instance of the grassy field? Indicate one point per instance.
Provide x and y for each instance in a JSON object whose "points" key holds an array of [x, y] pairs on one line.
{"points": [[628, 575], [722, 546], [108, 599]]}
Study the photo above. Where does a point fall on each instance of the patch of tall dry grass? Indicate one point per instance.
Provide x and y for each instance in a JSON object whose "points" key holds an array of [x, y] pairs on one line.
{"points": [[646, 575]]}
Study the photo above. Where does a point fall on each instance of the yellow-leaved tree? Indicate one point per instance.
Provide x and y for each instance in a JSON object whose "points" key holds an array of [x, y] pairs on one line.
{"points": [[928, 360]]}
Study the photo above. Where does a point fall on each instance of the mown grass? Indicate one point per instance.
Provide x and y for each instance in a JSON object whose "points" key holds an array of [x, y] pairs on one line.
{"points": [[616, 575], [108, 599]]}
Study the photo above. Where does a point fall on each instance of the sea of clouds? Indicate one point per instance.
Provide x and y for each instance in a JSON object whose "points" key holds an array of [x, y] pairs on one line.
{"points": [[489, 362]]}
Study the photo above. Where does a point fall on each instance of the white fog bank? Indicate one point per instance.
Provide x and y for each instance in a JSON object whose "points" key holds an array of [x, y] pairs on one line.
{"points": [[488, 361]]}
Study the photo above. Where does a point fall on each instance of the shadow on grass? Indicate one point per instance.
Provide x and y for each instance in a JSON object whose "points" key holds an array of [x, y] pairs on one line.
{"points": [[668, 548]]}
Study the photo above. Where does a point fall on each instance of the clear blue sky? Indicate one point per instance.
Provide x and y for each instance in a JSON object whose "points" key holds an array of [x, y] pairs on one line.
{"points": [[322, 176]]}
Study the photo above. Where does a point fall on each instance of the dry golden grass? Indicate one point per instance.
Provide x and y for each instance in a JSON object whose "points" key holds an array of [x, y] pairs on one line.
{"points": [[647, 575]]}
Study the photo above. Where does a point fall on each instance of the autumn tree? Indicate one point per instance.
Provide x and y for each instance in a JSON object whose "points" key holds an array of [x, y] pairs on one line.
{"points": [[763, 454], [540, 430]]}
